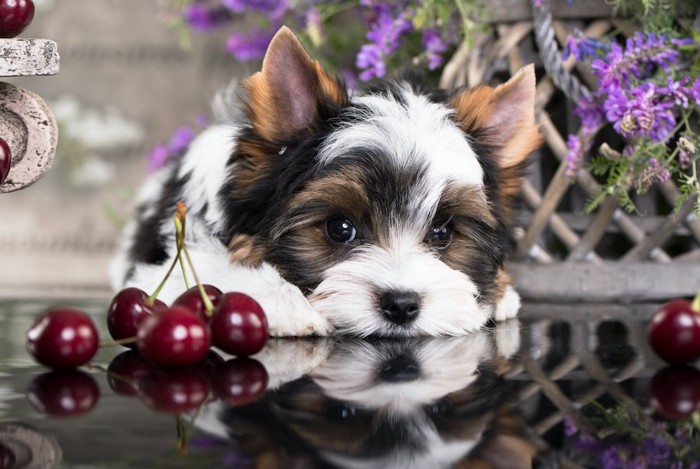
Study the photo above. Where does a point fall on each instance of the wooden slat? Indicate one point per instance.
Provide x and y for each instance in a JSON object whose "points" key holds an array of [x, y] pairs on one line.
{"points": [[605, 282]]}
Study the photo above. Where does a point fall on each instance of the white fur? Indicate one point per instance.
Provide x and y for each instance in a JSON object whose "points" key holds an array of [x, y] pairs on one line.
{"points": [[346, 297], [419, 132], [508, 306]]}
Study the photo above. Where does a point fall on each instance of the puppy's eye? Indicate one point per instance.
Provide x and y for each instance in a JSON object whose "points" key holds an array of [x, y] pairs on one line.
{"points": [[440, 234], [341, 230]]}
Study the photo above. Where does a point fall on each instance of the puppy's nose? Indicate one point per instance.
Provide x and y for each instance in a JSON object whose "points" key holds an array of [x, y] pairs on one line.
{"points": [[399, 369], [400, 306]]}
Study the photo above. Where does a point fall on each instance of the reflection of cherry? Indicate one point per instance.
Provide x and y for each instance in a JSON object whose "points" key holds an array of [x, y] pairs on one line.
{"points": [[675, 391], [125, 372], [7, 457], [174, 391], [240, 381], [63, 393]]}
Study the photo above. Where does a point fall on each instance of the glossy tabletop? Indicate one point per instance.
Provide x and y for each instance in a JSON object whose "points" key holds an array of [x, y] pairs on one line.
{"points": [[563, 386]]}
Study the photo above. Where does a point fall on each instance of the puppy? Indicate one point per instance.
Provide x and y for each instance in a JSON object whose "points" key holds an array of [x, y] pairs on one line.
{"points": [[378, 213]]}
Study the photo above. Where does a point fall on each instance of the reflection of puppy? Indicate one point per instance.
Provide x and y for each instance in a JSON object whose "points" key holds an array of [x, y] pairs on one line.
{"points": [[414, 403], [379, 213]]}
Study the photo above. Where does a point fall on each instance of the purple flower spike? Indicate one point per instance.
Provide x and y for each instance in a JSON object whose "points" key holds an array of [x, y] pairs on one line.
{"points": [[435, 46], [582, 47], [251, 46]]}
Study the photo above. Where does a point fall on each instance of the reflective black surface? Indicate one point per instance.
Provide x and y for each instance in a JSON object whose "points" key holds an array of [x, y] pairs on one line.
{"points": [[564, 386]]}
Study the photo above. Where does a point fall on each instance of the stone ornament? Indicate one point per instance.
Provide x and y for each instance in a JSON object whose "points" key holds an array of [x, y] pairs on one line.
{"points": [[27, 123]]}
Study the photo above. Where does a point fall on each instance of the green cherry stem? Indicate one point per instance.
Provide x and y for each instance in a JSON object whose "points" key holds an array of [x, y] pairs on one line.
{"points": [[125, 341], [180, 233], [180, 237], [695, 305]]}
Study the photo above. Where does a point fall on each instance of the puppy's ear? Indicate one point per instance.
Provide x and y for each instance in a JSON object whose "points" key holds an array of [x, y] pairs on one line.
{"points": [[291, 91], [503, 118]]}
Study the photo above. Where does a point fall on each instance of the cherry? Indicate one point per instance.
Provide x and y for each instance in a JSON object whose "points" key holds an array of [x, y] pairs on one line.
{"points": [[239, 325], [15, 16], [127, 311], [240, 381], [174, 391], [7, 457], [674, 332], [5, 159], [126, 371], [192, 300], [174, 336], [62, 338], [675, 391], [63, 393]]}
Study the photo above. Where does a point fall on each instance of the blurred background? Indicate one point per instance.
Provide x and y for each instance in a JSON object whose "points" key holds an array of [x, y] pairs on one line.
{"points": [[125, 84]]}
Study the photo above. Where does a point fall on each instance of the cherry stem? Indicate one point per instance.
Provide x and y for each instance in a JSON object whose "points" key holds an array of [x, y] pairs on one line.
{"points": [[156, 292], [695, 305], [182, 247], [125, 341], [180, 237], [181, 429]]}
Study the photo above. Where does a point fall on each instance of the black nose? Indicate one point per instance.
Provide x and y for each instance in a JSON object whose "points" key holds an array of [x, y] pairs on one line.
{"points": [[400, 369], [400, 307]]}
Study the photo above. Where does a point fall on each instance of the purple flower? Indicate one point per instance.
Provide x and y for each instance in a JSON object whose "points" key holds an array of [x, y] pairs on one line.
{"points": [[180, 139], [640, 111], [435, 46], [582, 47], [158, 157], [638, 58], [694, 91], [385, 34], [590, 112], [574, 154], [250, 46], [202, 18], [273, 9], [676, 91], [371, 61], [654, 172]]}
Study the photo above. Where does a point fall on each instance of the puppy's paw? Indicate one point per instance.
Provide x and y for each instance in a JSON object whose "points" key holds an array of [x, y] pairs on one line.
{"points": [[508, 306], [290, 314]]}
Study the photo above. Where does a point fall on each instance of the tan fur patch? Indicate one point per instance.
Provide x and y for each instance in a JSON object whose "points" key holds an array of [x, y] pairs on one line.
{"points": [[503, 280], [246, 250]]}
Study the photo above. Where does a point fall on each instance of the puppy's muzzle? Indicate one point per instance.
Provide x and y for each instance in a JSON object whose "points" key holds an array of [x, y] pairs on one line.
{"points": [[400, 307]]}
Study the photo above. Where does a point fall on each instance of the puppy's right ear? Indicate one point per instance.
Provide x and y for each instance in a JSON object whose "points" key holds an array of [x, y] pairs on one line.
{"points": [[291, 91]]}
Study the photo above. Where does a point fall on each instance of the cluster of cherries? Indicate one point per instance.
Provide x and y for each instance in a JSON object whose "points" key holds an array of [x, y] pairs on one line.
{"points": [[674, 335], [172, 344]]}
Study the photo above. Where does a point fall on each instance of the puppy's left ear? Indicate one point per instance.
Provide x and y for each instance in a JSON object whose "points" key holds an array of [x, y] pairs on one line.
{"points": [[502, 119], [291, 91]]}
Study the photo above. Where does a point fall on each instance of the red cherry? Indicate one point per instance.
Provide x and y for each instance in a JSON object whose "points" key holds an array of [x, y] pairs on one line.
{"points": [[62, 338], [126, 371], [675, 391], [240, 381], [674, 332], [192, 300], [174, 336], [15, 16], [127, 311], [63, 393], [7, 457], [239, 325], [174, 391], [5, 159]]}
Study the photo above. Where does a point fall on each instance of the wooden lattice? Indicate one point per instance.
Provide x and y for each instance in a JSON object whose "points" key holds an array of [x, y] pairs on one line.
{"points": [[561, 252]]}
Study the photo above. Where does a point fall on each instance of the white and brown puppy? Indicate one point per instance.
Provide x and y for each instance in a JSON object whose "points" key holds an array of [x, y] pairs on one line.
{"points": [[378, 213]]}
